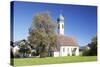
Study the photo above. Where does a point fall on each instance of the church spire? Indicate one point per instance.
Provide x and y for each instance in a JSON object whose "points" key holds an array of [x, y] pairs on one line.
{"points": [[61, 17], [60, 21]]}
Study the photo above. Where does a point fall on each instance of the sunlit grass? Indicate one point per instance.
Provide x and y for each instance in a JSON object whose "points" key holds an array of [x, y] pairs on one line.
{"points": [[52, 60]]}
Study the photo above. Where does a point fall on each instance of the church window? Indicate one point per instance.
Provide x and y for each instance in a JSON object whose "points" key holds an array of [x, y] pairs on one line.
{"points": [[62, 26], [63, 49], [71, 49], [58, 26], [68, 49]]}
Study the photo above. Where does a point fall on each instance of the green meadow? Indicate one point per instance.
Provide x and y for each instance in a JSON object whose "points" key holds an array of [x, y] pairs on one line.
{"points": [[52, 60]]}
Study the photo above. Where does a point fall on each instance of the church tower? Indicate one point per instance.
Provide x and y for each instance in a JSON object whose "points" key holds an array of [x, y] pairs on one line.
{"points": [[60, 21]]}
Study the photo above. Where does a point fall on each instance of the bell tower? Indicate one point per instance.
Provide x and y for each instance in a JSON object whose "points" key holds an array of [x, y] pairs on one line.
{"points": [[60, 21]]}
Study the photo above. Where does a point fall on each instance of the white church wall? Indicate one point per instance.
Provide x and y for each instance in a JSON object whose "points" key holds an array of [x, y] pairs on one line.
{"points": [[77, 51], [63, 51], [67, 50], [56, 54]]}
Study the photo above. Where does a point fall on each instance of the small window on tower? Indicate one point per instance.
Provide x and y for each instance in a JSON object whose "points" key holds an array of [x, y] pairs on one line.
{"points": [[62, 26], [58, 26]]}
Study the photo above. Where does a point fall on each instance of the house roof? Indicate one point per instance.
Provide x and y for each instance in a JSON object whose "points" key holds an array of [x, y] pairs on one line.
{"points": [[66, 41]]}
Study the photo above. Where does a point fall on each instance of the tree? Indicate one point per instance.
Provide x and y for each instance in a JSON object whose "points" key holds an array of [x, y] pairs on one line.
{"points": [[93, 48], [24, 49], [11, 49], [42, 33]]}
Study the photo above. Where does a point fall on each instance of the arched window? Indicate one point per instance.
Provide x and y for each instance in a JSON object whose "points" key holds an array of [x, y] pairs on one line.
{"points": [[68, 52], [63, 49], [68, 49], [58, 26], [62, 26]]}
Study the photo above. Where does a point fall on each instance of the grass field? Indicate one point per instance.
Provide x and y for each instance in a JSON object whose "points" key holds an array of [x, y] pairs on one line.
{"points": [[52, 60]]}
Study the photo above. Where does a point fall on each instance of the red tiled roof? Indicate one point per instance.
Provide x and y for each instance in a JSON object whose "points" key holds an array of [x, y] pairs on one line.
{"points": [[66, 41]]}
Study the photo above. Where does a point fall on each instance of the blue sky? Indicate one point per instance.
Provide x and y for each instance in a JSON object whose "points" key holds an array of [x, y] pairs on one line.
{"points": [[80, 21]]}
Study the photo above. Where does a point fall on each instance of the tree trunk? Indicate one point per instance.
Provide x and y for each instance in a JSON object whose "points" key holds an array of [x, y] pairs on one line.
{"points": [[43, 54]]}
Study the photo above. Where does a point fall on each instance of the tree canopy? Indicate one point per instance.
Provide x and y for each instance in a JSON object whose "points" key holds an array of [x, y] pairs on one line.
{"points": [[93, 48], [42, 33]]}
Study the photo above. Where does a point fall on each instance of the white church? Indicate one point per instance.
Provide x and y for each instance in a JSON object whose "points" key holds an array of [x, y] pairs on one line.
{"points": [[66, 46]]}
